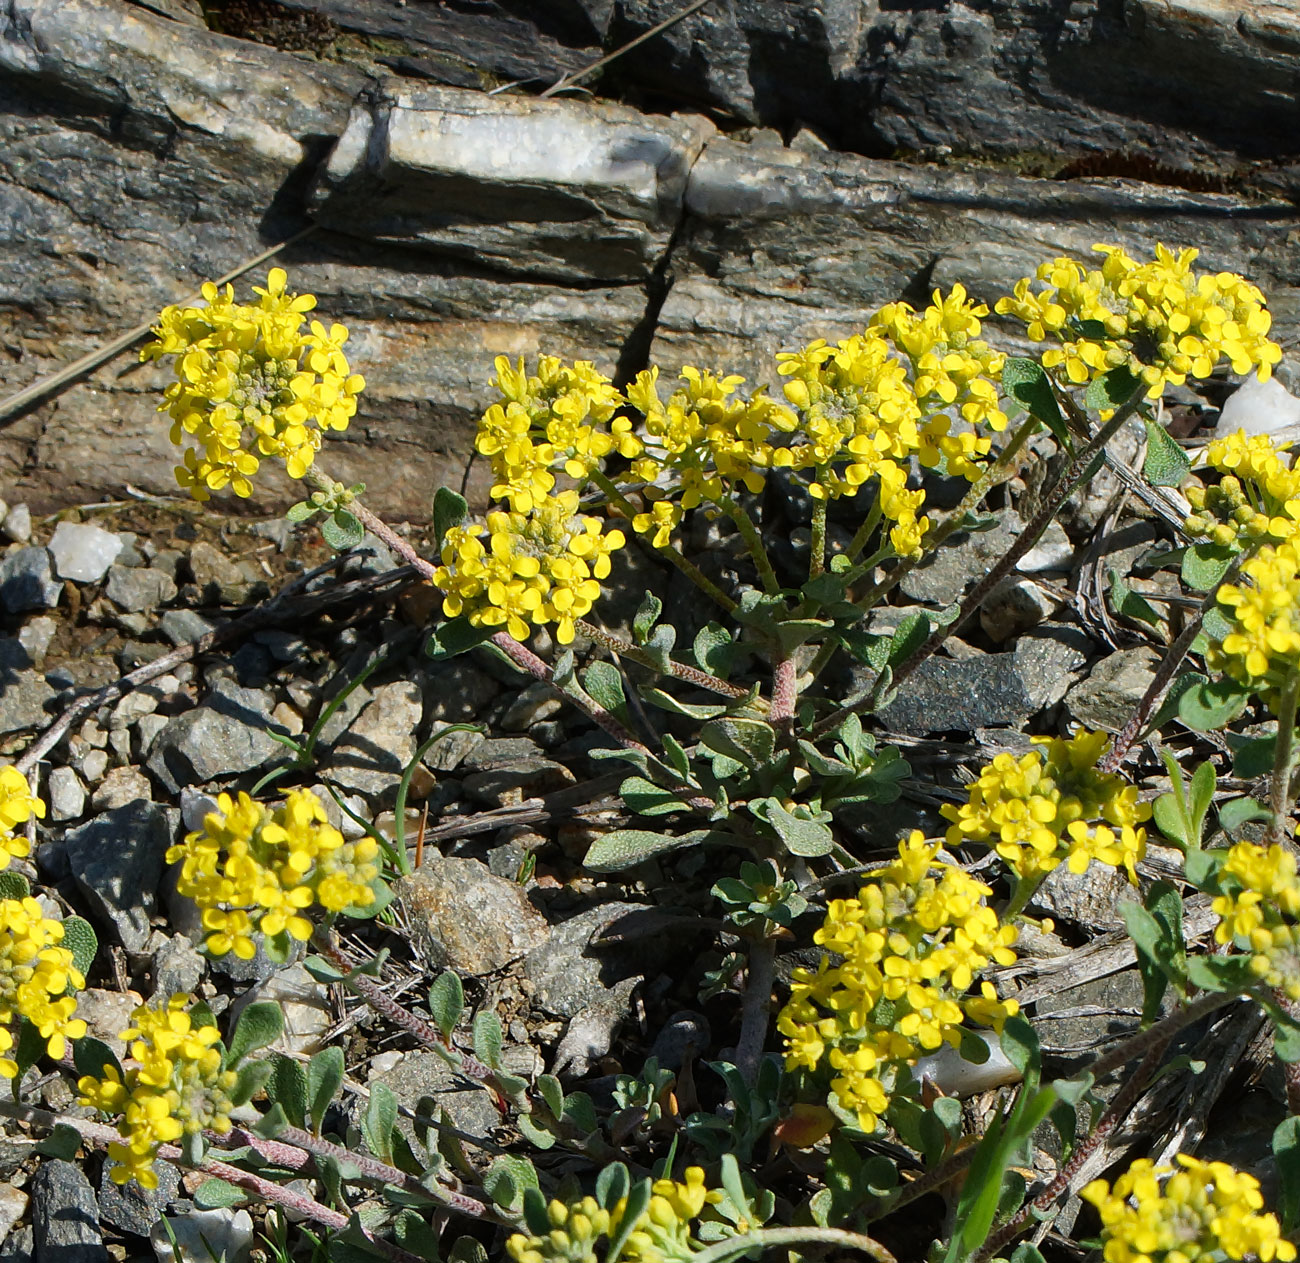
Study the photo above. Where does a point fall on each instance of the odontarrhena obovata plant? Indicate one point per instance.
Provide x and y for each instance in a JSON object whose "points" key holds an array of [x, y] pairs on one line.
{"points": [[757, 765]]}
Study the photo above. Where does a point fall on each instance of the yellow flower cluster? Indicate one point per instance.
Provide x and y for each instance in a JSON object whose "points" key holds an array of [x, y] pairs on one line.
{"points": [[1160, 319], [1257, 498], [251, 383], [254, 870], [911, 946], [177, 1086], [1197, 1212], [1263, 646], [36, 979], [1260, 912], [17, 806], [522, 569], [662, 1234], [1036, 811]]}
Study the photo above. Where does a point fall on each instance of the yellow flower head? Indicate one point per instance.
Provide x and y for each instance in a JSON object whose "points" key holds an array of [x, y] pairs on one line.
{"points": [[17, 806], [911, 947], [1051, 805], [1262, 646], [1259, 911], [1192, 1213], [251, 383], [1257, 500]]}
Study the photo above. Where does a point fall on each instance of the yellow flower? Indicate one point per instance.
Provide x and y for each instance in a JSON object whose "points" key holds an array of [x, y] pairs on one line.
{"points": [[1193, 1213], [910, 947], [17, 806], [1262, 647], [1259, 911], [251, 383], [1257, 499], [1159, 319], [254, 870], [1036, 811]]}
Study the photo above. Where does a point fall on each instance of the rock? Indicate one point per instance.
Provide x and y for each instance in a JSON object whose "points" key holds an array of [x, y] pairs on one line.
{"points": [[1089, 900], [529, 778], [466, 918], [304, 1003], [454, 692], [183, 627], [943, 695], [1052, 552], [177, 968], [1047, 658], [13, 1206], [566, 973], [200, 1236], [370, 757], [65, 1216], [20, 1245], [1258, 408], [35, 636], [590, 1033], [26, 581], [23, 695], [949, 1072], [427, 1074], [227, 734], [92, 764], [283, 646], [117, 860], [139, 589], [121, 786], [130, 1208], [17, 525], [685, 1035], [134, 706], [964, 558], [220, 580], [1115, 685], [67, 796], [534, 704], [1014, 606], [423, 166], [83, 553]]}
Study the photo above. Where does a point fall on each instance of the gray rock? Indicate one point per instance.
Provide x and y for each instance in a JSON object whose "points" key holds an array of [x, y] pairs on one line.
{"points": [[1089, 900], [534, 704], [183, 627], [427, 1074], [13, 1206], [283, 646], [27, 582], [944, 695], [35, 636], [139, 589], [1014, 606], [962, 560], [83, 553], [1052, 552], [199, 1236], [17, 525], [65, 1216], [1115, 685], [464, 917], [92, 764], [23, 695], [130, 1208], [590, 1033], [528, 778], [686, 1034], [117, 860], [227, 734], [67, 795], [20, 1245], [121, 786], [1047, 659], [304, 1004], [370, 757], [568, 975], [451, 750], [177, 967], [146, 731], [219, 579]]}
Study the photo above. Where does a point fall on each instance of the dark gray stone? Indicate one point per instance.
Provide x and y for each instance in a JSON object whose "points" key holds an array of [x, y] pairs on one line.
{"points": [[27, 582], [130, 1208], [686, 1034], [139, 589], [182, 627], [944, 695], [117, 859], [568, 975], [964, 558], [65, 1216], [23, 693], [226, 735], [1114, 686], [427, 1074], [1048, 659]]}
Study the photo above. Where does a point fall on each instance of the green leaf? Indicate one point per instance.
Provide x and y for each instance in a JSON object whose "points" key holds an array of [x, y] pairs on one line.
{"points": [[1166, 464], [1286, 1153], [378, 1121], [648, 799], [1204, 565], [271, 1123], [714, 650], [14, 885], [1027, 1252], [622, 848], [488, 1038], [750, 742], [63, 1143], [1252, 756], [449, 509], [659, 646], [1202, 867], [1110, 390], [1220, 973], [911, 633], [1020, 1043], [638, 1202], [90, 1056], [692, 710], [1237, 812], [677, 755], [250, 1079], [508, 1179], [1207, 707], [258, 1025], [800, 836], [80, 939], [342, 530], [603, 681], [455, 636], [324, 1078], [215, 1194], [646, 617], [287, 1086], [301, 511], [1025, 381], [1128, 604], [1286, 1035], [552, 1093], [446, 1002], [612, 1185], [415, 1236]]}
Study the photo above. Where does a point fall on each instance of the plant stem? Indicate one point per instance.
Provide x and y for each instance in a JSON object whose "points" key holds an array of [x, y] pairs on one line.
{"points": [[754, 542], [763, 1238], [817, 544], [756, 1007], [1073, 474], [1284, 760], [785, 693], [678, 670], [670, 551]]}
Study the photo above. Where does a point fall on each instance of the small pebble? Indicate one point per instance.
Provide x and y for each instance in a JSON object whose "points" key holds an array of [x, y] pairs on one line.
{"points": [[67, 795], [18, 524], [83, 553]]}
